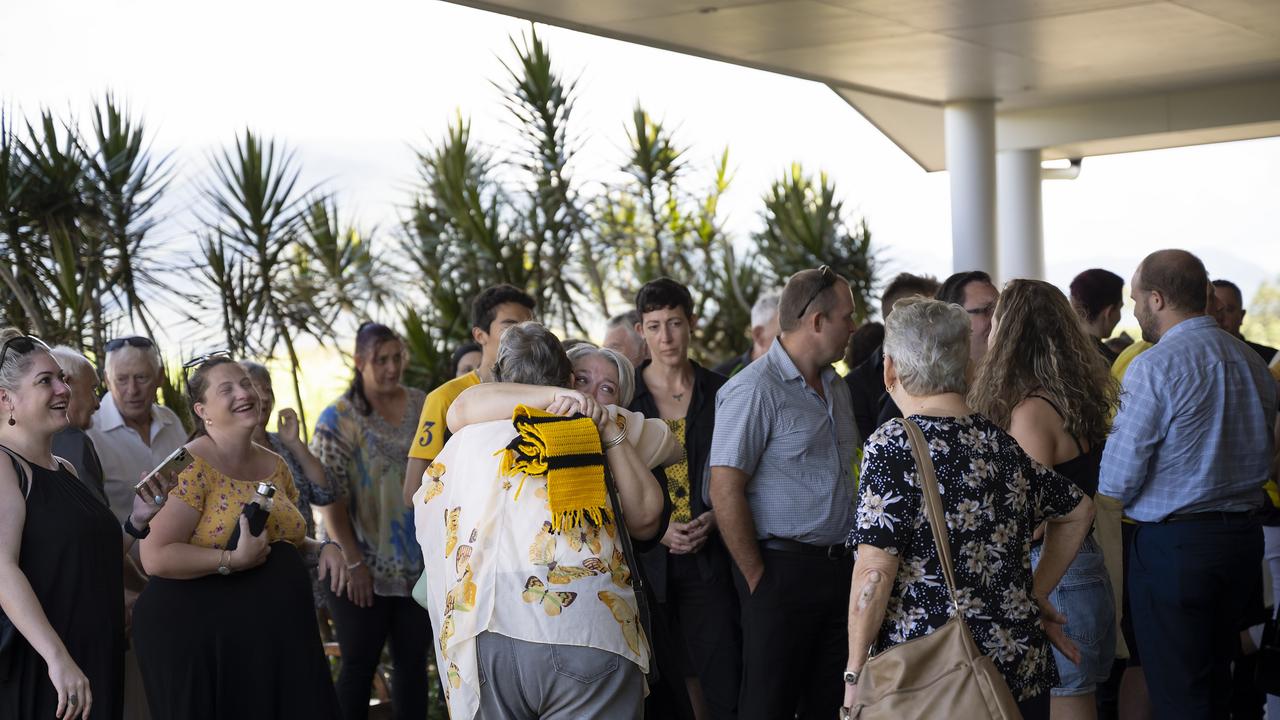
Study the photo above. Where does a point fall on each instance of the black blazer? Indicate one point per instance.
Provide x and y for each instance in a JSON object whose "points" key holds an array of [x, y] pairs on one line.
{"points": [[700, 423]]}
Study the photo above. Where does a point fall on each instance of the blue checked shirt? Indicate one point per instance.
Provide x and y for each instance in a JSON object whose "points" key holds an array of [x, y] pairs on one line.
{"points": [[1194, 431], [797, 446]]}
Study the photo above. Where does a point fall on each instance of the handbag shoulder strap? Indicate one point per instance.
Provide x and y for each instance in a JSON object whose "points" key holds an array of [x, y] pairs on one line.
{"points": [[637, 573], [934, 512]]}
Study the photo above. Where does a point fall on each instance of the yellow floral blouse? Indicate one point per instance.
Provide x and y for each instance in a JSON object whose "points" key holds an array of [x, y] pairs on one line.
{"points": [[678, 477], [220, 500]]}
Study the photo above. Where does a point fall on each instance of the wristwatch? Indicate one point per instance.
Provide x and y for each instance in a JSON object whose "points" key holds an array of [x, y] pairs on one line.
{"points": [[224, 563], [851, 677], [135, 532]]}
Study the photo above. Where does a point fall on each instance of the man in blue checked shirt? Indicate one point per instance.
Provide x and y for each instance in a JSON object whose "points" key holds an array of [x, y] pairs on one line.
{"points": [[1188, 455]]}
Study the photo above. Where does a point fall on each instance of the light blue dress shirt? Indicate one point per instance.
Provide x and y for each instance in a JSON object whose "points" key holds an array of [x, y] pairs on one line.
{"points": [[797, 446], [1194, 431]]}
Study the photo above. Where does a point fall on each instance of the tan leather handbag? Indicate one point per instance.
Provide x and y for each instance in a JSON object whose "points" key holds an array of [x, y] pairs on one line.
{"points": [[943, 674]]}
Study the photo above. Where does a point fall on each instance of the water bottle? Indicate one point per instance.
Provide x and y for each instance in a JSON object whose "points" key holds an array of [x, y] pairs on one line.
{"points": [[257, 512]]}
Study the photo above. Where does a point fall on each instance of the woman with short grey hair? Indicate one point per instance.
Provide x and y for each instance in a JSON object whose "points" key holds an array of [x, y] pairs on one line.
{"points": [[929, 344], [994, 497], [529, 353], [603, 373]]}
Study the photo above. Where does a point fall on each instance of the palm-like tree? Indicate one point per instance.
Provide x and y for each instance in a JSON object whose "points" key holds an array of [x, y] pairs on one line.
{"points": [[254, 215], [805, 226], [541, 105]]}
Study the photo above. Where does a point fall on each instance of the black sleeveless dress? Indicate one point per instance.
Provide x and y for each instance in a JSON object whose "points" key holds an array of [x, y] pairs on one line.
{"points": [[73, 557]]}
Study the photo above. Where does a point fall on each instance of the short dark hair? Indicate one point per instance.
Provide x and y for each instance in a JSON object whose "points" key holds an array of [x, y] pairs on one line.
{"points": [[664, 293], [906, 285], [1232, 287], [1092, 291], [460, 352], [484, 309], [1177, 275], [952, 290], [806, 286]]}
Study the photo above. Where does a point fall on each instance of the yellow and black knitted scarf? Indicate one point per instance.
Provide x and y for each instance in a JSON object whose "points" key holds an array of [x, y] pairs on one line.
{"points": [[568, 453]]}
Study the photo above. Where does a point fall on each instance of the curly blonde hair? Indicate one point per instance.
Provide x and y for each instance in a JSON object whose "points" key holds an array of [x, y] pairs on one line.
{"points": [[1040, 347]]}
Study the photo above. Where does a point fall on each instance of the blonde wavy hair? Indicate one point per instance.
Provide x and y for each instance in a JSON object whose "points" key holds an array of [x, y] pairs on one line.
{"points": [[1040, 347]]}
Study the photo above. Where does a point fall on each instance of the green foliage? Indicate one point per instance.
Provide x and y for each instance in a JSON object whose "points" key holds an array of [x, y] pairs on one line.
{"points": [[458, 240], [1262, 321], [75, 212], [541, 104], [805, 226], [275, 262], [255, 219], [654, 225]]}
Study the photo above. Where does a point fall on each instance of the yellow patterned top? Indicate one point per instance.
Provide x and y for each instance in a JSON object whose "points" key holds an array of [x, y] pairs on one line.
{"points": [[221, 499], [678, 477]]}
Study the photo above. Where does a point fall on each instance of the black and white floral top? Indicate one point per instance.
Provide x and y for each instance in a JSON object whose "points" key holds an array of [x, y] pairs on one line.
{"points": [[994, 496]]}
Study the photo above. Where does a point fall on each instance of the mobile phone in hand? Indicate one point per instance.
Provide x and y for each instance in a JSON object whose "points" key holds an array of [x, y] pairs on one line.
{"points": [[178, 460]]}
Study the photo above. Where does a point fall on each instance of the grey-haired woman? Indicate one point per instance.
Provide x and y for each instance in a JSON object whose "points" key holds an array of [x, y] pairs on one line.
{"points": [[994, 497]]}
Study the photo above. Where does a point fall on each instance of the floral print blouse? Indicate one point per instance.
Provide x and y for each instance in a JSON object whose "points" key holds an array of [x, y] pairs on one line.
{"points": [[494, 564], [365, 457], [994, 497], [220, 499]]}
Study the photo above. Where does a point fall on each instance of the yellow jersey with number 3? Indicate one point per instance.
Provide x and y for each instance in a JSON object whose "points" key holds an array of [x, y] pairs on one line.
{"points": [[432, 429]]}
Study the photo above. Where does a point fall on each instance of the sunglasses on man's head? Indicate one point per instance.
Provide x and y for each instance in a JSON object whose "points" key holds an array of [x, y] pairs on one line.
{"points": [[21, 345], [828, 277], [134, 341]]}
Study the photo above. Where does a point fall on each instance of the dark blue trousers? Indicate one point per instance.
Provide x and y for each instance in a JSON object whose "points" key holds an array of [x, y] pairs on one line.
{"points": [[1190, 584]]}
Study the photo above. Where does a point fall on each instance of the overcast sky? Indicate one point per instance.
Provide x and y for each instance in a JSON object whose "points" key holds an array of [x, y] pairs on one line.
{"points": [[354, 86]]}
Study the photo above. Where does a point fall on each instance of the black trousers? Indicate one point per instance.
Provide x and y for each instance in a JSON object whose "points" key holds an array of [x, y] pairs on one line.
{"points": [[1191, 584], [361, 634], [795, 638], [702, 608]]}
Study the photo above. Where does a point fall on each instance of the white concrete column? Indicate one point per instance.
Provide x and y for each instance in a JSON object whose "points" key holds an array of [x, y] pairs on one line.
{"points": [[971, 161], [1020, 225]]}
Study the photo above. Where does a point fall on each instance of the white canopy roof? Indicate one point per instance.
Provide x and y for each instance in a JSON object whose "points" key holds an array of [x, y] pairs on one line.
{"points": [[1070, 77]]}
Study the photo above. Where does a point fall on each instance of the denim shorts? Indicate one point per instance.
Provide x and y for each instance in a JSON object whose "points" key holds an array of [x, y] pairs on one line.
{"points": [[1084, 596]]}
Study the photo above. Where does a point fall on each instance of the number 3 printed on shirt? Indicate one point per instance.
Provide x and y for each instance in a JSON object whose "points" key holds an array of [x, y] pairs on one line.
{"points": [[425, 437]]}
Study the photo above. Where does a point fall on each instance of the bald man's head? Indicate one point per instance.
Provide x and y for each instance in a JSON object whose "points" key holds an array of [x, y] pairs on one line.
{"points": [[1178, 276]]}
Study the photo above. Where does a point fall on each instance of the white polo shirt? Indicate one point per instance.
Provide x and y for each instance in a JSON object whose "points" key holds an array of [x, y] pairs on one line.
{"points": [[125, 457]]}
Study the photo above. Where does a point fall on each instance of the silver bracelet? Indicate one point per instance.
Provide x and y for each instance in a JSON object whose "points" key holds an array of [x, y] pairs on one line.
{"points": [[616, 441]]}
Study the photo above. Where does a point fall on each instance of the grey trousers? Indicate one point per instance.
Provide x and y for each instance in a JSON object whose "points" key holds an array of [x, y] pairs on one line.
{"points": [[520, 680]]}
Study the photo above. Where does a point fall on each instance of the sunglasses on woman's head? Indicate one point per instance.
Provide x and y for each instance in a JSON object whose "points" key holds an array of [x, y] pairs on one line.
{"points": [[198, 361], [21, 345]]}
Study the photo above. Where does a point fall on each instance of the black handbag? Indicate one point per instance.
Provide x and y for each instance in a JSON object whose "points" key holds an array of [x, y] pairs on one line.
{"points": [[8, 633]]}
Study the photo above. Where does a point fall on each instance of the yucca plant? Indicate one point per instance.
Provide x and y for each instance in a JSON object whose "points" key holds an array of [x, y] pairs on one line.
{"points": [[336, 261], [806, 226], [541, 104], [126, 182], [22, 301], [459, 237], [656, 165], [724, 284], [74, 214], [63, 262], [253, 217]]}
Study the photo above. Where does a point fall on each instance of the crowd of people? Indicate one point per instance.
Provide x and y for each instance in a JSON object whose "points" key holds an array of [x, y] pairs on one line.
{"points": [[618, 531]]}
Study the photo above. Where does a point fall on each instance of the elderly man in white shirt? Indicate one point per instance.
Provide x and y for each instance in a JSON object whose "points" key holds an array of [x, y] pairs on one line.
{"points": [[131, 433]]}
